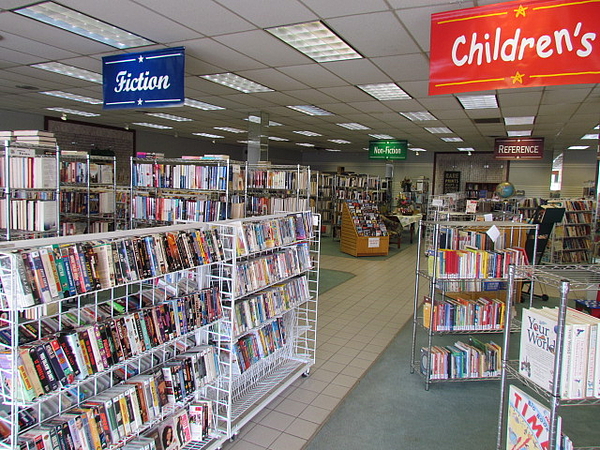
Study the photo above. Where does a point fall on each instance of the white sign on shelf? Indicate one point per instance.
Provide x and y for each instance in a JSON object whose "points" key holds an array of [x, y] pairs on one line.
{"points": [[373, 242]]}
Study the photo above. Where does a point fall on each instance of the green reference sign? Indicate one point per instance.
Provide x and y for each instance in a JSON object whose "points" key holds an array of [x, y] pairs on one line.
{"points": [[392, 149]]}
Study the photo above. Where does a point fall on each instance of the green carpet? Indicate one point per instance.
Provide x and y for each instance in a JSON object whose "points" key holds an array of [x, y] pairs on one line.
{"points": [[331, 247], [328, 279]]}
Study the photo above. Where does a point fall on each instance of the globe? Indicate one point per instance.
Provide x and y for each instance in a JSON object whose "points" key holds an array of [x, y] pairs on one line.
{"points": [[505, 189]]}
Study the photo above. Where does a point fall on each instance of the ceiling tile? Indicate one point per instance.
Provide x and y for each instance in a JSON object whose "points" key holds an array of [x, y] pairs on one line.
{"points": [[270, 13], [357, 71], [272, 78], [313, 75], [414, 67], [219, 55], [332, 9]]}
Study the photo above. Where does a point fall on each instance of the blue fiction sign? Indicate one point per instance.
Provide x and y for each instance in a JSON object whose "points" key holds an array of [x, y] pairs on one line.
{"points": [[151, 79]]}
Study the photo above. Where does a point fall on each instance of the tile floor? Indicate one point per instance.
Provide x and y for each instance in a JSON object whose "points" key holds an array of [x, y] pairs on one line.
{"points": [[356, 322]]}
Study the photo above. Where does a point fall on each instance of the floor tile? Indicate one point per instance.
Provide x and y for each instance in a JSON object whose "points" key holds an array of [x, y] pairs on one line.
{"points": [[287, 442]]}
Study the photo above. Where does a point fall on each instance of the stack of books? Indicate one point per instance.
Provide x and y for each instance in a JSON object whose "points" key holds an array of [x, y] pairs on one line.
{"points": [[29, 137]]}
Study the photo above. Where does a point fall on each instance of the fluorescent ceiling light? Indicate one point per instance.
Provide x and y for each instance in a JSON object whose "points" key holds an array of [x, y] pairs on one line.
{"points": [[516, 133], [417, 149], [279, 139], [578, 147], [201, 105], [311, 110], [305, 144], [236, 82], [523, 120], [244, 142], [170, 117], [465, 149], [384, 91], [438, 130], [590, 136], [75, 97], [332, 150], [417, 116], [382, 136], [208, 135], [152, 125], [353, 126], [256, 119], [74, 112], [316, 41], [478, 101], [339, 141], [597, 127], [230, 129], [307, 133], [70, 71], [70, 20], [451, 139]]}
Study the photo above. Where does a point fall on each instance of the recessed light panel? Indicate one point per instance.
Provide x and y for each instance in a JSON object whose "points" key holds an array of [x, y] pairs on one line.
{"points": [[311, 110], [70, 71], [75, 97], [256, 119], [381, 136], [465, 149], [353, 126], [478, 101], [152, 125], [230, 129], [74, 112], [516, 133], [523, 120], [339, 141], [417, 149], [590, 136], [451, 139], [316, 41], [578, 147], [278, 139], [170, 117], [201, 105], [385, 91], [307, 133], [438, 130], [70, 20], [305, 144], [417, 116], [208, 135], [332, 150], [234, 81]]}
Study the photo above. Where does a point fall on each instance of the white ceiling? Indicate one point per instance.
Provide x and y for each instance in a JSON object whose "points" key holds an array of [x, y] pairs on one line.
{"points": [[229, 36]]}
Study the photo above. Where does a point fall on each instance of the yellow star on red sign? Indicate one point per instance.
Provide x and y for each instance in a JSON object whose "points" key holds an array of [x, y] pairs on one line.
{"points": [[520, 11], [517, 78]]}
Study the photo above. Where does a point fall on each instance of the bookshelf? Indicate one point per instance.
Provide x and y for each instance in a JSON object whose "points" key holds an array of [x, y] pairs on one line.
{"points": [[87, 193], [561, 376], [271, 188], [326, 201], [164, 190], [157, 325], [30, 189], [464, 272], [572, 239], [477, 190], [363, 233]]}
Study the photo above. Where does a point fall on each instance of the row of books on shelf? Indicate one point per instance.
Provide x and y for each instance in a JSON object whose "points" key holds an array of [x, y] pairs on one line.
{"points": [[574, 243], [259, 235], [115, 417], [28, 172], [82, 172], [474, 263], [57, 360], [29, 215], [262, 206], [252, 312], [272, 268], [168, 209], [180, 176], [460, 314], [457, 238], [77, 202], [277, 179], [579, 217], [576, 205], [54, 272], [575, 256], [580, 373], [358, 181], [573, 230], [258, 344], [475, 359]]}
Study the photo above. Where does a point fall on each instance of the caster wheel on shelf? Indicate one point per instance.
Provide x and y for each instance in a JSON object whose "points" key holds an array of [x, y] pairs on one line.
{"points": [[545, 298], [233, 437], [306, 374]]}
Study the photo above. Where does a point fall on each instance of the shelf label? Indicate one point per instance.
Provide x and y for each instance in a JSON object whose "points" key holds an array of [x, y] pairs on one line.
{"points": [[153, 79], [373, 242]]}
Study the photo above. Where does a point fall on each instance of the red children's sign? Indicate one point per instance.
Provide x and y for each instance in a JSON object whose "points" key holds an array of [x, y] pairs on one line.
{"points": [[515, 44]]}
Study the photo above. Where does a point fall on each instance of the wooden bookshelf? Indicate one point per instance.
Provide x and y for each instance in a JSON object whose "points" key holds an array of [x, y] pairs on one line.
{"points": [[358, 239]]}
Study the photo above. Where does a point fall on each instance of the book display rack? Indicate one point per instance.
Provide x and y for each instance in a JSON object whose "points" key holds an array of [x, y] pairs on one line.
{"points": [[164, 190], [465, 270], [30, 189], [122, 338], [87, 193], [363, 232], [360, 187], [558, 349], [271, 188]]}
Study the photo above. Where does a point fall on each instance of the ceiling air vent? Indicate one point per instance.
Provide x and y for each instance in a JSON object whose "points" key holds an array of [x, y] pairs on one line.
{"points": [[488, 120]]}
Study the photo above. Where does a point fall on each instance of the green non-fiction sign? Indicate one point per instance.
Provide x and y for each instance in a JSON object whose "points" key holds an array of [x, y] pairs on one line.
{"points": [[391, 149]]}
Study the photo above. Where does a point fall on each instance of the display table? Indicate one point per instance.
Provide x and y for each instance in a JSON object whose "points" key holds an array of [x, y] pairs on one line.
{"points": [[409, 221]]}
